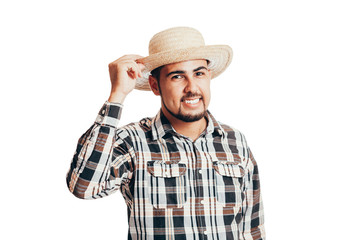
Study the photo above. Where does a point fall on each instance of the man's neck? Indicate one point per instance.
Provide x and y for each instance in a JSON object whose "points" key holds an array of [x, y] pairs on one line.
{"points": [[188, 129]]}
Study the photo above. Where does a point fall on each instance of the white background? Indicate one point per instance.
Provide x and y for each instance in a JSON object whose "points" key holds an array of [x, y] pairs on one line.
{"points": [[292, 89]]}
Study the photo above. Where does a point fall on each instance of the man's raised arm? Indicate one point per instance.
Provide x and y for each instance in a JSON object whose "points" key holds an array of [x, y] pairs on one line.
{"points": [[100, 164]]}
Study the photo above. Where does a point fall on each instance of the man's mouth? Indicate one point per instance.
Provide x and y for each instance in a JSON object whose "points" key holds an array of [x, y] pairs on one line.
{"points": [[192, 101]]}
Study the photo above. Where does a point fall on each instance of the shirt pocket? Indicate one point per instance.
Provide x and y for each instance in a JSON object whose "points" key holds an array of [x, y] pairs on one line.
{"points": [[166, 184], [228, 183]]}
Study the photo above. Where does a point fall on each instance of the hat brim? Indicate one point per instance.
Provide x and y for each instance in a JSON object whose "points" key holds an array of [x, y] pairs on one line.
{"points": [[219, 57]]}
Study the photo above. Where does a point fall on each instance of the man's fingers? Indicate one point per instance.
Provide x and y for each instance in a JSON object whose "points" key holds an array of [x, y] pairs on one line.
{"points": [[137, 68], [127, 65], [130, 59], [133, 70]]}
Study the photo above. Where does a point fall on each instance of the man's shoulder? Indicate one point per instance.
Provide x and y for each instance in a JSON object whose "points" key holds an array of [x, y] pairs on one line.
{"points": [[231, 131], [235, 139], [142, 126], [226, 129]]}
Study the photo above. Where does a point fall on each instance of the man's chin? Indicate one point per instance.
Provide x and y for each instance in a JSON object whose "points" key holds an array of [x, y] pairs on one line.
{"points": [[190, 117], [187, 115]]}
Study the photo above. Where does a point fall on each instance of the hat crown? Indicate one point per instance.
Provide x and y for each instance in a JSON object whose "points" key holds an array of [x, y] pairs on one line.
{"points": [[175, 39]]}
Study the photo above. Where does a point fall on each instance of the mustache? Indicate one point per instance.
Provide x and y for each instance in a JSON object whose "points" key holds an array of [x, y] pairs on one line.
{"points": [[191, 95]]}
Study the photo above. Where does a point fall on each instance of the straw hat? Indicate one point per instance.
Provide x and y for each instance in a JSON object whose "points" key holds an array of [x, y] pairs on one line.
{"points": [[182, 44]]}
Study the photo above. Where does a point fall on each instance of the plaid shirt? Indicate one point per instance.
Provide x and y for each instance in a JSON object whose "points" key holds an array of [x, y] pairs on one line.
{"points": [[174, 188]]}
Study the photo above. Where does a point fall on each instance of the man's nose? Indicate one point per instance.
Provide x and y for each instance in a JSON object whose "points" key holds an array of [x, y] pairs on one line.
{"points": [[191, 85]]}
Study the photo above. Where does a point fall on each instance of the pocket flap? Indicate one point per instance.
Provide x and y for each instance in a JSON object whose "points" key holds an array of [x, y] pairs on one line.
{"points": [[229, 169], [166, 170]]}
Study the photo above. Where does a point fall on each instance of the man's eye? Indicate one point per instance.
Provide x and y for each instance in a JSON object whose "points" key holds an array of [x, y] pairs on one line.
{"points": [[176, 77], [200, 73]]}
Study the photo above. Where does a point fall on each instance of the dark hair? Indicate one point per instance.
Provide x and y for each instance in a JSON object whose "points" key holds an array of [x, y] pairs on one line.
{"points": [[156, 73]]}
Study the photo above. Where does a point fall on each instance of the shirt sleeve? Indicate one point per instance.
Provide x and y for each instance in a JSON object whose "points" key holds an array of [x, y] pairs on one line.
{"points": [[252, 224], [100, 164]]}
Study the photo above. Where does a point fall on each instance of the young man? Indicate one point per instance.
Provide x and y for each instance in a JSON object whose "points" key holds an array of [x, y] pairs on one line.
{"points": [[183, 174]]}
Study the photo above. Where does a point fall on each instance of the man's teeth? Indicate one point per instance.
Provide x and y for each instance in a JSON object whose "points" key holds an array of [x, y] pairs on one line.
{"points": [[192, 101]]}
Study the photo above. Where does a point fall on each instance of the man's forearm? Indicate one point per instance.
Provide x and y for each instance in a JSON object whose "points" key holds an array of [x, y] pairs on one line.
{"points": [[88, 176]]}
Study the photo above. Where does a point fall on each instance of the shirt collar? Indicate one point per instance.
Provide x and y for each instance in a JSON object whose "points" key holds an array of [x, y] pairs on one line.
{"points": [[214, 127], [161, 126]]}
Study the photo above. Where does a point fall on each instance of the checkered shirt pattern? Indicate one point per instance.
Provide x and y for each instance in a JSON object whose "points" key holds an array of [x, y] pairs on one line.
{"points": [[174, 188]]}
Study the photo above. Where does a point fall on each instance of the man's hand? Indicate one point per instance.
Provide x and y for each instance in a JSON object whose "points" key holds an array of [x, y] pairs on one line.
{"points": [[123, 74]]}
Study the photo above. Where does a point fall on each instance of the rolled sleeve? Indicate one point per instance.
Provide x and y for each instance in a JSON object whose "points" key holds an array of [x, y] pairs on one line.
{"points": [[109, 114]]}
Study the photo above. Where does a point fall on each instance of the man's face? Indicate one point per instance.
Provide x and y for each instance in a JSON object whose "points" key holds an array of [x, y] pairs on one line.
{"points": [[185, 89]]}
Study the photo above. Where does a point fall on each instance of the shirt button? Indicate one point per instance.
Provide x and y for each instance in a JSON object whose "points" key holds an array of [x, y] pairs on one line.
{"points": [[205, 232], [202, 202], [200, 171]]}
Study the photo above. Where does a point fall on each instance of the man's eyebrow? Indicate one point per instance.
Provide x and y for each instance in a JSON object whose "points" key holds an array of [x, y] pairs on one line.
{"points": [[199, 68], [175, 72]]}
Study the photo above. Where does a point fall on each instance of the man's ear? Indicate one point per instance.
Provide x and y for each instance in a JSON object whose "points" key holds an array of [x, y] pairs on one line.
{"points": [[154, 85]]}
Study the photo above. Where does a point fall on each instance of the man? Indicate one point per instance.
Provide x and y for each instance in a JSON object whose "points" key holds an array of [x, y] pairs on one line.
{"points": [[183, 174]]}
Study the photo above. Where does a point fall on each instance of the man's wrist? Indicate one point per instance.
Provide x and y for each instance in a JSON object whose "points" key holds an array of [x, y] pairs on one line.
{"points": [[117, 98]]}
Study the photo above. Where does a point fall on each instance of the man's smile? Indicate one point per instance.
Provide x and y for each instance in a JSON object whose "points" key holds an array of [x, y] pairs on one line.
{"points": [[194, 101], [191, 102]]}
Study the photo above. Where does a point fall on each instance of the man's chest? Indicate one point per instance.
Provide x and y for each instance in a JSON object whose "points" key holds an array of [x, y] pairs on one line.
{"points": [[171, 173]]}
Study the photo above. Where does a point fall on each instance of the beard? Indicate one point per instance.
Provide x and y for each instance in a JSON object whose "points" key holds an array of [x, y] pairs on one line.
{"points": [[187, 117]]}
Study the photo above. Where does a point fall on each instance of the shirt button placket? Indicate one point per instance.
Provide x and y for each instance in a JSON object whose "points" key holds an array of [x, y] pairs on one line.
{"points": [[200, 219], [205, 236]]}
